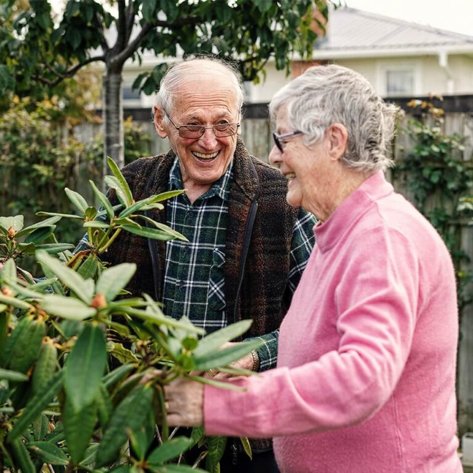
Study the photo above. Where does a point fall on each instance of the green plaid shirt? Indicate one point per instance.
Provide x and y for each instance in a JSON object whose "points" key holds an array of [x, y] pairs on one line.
{"points": [[194, 278]]}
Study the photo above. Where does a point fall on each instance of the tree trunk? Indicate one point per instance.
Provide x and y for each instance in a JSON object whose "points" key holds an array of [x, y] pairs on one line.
{"points": [[113, 118]]}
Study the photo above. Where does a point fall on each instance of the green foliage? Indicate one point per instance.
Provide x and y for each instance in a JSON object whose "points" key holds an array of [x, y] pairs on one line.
{"points": [[246, 32], [38, 145], [82, 364], [439, 180]]}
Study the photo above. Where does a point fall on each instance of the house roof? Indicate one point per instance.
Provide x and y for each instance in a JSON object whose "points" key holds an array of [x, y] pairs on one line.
{"points": [[356, 33]]}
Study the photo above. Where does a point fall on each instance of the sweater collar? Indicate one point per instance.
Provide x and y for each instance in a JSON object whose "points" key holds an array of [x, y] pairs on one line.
{"points": [[351, 210]]}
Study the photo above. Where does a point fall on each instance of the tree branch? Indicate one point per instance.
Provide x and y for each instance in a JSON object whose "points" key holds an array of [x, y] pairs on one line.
{"points": [[122, 33], [69, 73], [127, 52], [147, 27], [130, 19]]}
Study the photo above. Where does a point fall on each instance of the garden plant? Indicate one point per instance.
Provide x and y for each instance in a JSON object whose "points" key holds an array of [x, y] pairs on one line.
{"points": [[82, 363], [439, 179]]}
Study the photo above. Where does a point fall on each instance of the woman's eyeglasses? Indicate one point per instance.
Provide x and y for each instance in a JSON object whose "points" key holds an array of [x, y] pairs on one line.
{"points": [[196, 131], [280, 140]]}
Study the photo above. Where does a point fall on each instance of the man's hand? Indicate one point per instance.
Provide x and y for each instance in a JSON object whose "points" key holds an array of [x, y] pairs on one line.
{"points": [[184, 401]]}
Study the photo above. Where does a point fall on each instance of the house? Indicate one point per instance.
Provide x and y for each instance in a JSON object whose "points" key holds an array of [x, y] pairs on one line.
{"points": [[399, 58]]}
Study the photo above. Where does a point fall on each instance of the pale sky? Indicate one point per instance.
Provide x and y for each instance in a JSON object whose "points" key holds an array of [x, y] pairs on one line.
{"points": [[451, 15]]}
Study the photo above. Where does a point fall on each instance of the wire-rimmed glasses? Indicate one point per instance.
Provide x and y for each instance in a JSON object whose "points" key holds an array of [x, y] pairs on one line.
{"points": [[196, 131]]}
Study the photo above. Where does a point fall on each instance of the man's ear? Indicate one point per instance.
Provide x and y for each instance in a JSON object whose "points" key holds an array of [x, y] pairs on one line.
{"points": [[158, 120], [338, 140]]}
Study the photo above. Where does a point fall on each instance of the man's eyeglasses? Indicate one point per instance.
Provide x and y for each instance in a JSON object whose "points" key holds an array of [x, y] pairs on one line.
{"points": [[280, 140], [196, 131]]}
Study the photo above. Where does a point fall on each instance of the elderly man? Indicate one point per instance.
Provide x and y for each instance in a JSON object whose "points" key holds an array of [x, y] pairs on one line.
{"points": [[247, 248]]}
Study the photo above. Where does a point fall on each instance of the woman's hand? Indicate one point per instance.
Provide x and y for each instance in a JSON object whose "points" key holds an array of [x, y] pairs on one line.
{"points": [[184, 401]]}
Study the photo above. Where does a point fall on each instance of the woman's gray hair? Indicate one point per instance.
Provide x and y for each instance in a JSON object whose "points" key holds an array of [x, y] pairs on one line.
{"points": [[324, 95], [178, 72]]}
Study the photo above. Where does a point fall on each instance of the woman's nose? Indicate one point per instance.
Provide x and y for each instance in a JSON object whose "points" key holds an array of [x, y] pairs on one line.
{"points": [[275, 156]]}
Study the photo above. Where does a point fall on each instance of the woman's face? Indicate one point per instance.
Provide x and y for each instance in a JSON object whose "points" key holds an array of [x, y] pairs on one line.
{"points": [[309, 170]]}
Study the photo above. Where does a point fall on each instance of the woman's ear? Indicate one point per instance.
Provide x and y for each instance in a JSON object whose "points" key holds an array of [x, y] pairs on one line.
{"points": [[158, 120], [338, 140]]}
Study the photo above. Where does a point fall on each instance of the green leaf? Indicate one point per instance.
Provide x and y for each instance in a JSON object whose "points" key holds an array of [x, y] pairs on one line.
{"points": [[77, 200], [159, 319], [89, 458], [96, 224], [165, 228], [114, 279], [103, 200], [226, 355], [124, 355], [67, 307], [169, 450], [89, 268], [127, 221], [8, 272], [217, 339], [114, 183], [216, 447], [142, 437], [148, 203], [149, 233], [14, 302], [110, 379], [167, 195], [83, 288], [21, 456], [75, 217], [90, 213], [127, 418], [121, 181], [216, 383], [78, 427], [39, 235], [136, 207], [36, 406], [24, 291], [10, 375], [49, 453], [49, 222], [84, 367], [15, 222], [247, 446], [54, 248]]}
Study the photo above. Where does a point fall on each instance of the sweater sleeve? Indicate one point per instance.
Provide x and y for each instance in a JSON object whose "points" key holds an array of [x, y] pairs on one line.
{"points": [[373, 304]]}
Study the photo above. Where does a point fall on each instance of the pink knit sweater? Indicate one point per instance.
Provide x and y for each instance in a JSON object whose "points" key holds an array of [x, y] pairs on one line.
{"points": [[366, 369]]}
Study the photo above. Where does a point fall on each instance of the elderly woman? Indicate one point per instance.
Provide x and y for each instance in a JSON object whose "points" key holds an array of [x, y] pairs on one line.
{"points": [[366, 369]]}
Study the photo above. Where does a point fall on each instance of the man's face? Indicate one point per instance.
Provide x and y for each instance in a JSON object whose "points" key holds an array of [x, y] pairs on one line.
{"points": [[201, 101]]}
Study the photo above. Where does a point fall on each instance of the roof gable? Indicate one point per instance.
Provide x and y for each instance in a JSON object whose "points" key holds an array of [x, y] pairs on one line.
{"points": [[353, 30]]}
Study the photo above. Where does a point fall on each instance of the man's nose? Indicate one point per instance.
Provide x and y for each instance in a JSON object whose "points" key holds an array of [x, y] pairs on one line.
{"points": [[208, 139]]}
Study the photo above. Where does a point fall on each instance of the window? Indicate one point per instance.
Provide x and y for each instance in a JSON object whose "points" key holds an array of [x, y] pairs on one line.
{"points": [[130, 94], [400, 82], [398, 78]]}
